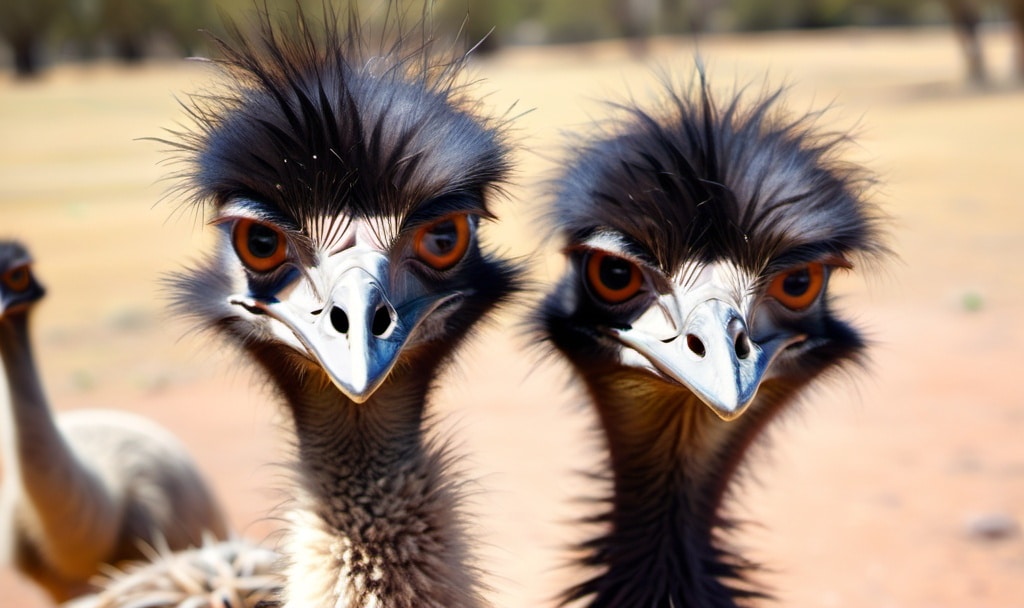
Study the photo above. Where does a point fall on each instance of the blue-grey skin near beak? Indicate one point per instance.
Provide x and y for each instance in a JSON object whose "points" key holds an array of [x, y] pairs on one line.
{"points": [[698, 335], [356, 330]]}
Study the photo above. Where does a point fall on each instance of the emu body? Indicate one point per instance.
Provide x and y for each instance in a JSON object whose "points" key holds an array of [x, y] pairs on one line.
{"points": [[347, 180], [86, 488], [701, 237]]}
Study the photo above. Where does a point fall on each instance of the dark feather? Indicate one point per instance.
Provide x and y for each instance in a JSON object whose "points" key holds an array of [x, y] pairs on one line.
{"points": [[312, 133], [702, 180], [697, 180], [339, 124], [13, 251]]}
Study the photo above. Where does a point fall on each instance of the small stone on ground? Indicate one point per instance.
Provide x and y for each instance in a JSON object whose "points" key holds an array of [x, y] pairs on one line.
{"points": [[992, 526]]}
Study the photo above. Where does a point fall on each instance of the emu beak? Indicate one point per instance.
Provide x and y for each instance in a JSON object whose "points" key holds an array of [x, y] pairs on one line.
{"points": [[710, 352], [358, 332], [17, 303]]}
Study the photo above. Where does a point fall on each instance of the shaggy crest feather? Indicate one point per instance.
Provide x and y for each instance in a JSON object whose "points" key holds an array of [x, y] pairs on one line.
{"points": [[326, 121], [743, 181]]}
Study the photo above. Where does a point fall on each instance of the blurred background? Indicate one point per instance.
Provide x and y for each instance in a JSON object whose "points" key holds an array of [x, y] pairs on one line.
{"points": [[38, 33], [899, 485]]}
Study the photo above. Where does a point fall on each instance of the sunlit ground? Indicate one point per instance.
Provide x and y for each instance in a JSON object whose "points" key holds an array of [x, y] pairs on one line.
{"points": [[863, 498]]}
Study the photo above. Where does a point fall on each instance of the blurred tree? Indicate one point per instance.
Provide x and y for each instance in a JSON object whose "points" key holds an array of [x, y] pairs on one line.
{"points": [[1016, 10], [80, 28], [567, 21], [636, 18], [891, 12], [186, 22], [965, 17], [692, 15], [128, 25], [25, 25], [131, 29], [484, 24], [754, 15]]}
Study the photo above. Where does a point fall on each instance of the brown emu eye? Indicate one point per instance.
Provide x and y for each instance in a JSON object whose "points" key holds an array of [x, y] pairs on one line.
{"points": [[612, 278], [259, 246], [797, 288], [17, 278], [441, 244]]}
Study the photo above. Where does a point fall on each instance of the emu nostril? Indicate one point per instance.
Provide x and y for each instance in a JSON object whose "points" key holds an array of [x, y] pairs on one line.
{"points": [[696, 345], [339, 320], [381, 321], [742, 345]]}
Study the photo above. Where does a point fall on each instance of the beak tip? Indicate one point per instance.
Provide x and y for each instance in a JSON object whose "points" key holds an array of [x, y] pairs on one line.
{"points": [[727, 414], [356, 395], [728, 409], [358, 398], [728, 405], [357, 392]]}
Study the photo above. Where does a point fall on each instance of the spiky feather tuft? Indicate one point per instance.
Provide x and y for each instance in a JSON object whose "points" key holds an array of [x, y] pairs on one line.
{"points": [[746, 181], [319, 120]]}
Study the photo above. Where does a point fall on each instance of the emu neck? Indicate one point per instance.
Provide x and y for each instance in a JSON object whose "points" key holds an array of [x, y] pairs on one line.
{"points": [[377, 521], [63, 511], [28, 422], [671, 460]]}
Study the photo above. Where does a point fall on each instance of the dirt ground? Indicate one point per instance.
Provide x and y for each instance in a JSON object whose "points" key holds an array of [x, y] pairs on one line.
{"points": [[863, 498]]}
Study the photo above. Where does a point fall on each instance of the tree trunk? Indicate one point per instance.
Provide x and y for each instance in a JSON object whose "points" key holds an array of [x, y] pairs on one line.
{"points": [[1016, 11], [129, 49], [26, 60], [964, 14]]}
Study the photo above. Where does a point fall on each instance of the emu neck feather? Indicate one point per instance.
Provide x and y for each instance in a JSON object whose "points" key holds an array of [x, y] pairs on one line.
{"points": [[671, 459], [377, 521], [70, 516]]}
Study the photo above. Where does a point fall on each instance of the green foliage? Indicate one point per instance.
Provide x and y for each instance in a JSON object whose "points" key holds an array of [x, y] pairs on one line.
{"points": [[747, 15], [972, 301], [131, 29], [759, 15], [565, 22], [479, 22]]}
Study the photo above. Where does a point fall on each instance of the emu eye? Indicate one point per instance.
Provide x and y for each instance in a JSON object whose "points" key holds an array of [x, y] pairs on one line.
{"points": [[441, 244], [259, 246], [17, 278], [611, 278], [798, 287]]}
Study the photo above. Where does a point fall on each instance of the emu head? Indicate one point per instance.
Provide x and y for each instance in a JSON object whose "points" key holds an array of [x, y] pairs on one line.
{"points": [[347, 183], [701, 239], [19, 289]]}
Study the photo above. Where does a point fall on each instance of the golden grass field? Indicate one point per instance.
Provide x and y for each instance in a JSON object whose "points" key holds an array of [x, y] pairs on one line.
{"points": [[865, 495]]}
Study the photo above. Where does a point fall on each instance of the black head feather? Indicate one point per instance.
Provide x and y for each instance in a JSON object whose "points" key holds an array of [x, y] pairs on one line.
{"points": [[317, 125], [697, 180], [12, 252]]}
